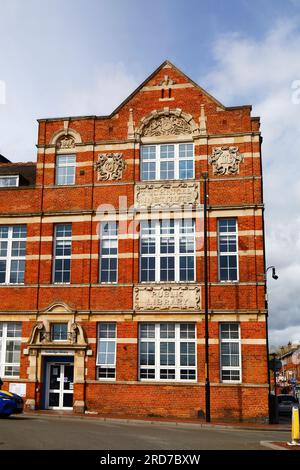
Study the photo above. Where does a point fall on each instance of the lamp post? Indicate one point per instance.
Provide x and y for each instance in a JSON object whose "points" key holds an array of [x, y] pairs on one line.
{"points": [[275, 277], [274, 355], [207, 383]]}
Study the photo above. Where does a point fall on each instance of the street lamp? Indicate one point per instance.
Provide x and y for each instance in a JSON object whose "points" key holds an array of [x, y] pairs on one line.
{"points": [[275, 277]]}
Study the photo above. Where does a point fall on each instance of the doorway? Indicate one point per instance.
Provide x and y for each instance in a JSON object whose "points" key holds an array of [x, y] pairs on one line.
{"points": [[59, 385]]}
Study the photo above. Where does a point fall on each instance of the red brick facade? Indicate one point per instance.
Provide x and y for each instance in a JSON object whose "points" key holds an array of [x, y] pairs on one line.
{"points": [[85, 301]]}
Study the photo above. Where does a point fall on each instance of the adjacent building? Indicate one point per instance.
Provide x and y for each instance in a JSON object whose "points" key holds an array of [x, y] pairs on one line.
{"points": [[288, 378], [101, 259]]}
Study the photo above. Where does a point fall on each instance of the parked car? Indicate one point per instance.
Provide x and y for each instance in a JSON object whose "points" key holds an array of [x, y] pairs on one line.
{"points": [[10, 403], [286, 403]]}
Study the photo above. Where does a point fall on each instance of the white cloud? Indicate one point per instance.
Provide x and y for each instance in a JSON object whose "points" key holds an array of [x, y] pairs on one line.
{"points": [[105, 89], [111, 84], [262, 72]]}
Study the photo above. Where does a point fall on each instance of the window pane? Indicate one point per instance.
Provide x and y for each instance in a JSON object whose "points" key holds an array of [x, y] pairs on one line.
{"points": [[14, 329], [3, 231], [147, 269], [63, 230], [109, 252], [148, 171], [19, 231], [187, 271], [167, 170], [167, 374], [17, 270], [186, 151], [2, 271], [187, 330], [167, 151], [109, 229], [186, 169], [187, 354], [147, 353], [148, 152], [230, 351], [13, 348], [148, 166], [167, 330], [65, 169], [59, 331], [167, 269], [107, 330], [7, 181], [167, 354], [106, 354], [147, 330]]}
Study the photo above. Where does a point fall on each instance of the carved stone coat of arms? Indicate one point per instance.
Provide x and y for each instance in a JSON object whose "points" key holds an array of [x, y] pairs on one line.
{"points": [[167, 125], [225, 160], [65, 142], [110, 166]]}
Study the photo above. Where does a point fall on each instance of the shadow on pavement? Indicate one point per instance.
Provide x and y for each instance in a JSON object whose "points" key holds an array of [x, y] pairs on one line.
{"points": [[285, 419]]}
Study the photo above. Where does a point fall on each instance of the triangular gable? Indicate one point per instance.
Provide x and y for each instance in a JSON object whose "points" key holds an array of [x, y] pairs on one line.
{"points": [[166, 64]]}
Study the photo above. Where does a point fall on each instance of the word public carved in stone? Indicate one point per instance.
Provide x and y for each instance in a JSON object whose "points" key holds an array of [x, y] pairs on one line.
{"points": [[225, 160], [169, 297], [166, 194], [110, 166]]}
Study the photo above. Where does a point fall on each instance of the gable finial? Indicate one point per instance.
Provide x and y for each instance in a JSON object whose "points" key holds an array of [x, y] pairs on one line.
{"points": [[66, 127], [202, 121], [130, 134]]}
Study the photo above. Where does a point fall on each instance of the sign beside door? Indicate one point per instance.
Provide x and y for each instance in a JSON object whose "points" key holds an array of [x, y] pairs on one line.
{"points": [[57, 352]]}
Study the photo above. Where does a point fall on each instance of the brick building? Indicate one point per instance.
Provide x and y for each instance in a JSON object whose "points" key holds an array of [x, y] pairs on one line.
{"points": [[101, 259], [288, 377]]}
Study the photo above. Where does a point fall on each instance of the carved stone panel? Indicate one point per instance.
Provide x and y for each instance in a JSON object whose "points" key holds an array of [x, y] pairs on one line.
{"points": [[65, 142], [167, 297], [225, 160], [167, 125], [110, 166], [166, 82], [166, 194]]}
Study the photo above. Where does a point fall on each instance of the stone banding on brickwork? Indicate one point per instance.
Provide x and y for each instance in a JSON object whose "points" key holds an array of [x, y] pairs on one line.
{"points": [[195, 117]]}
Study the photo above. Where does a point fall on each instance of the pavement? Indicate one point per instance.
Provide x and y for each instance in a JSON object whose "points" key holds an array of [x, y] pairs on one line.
{"points": [[34, 431], [284, 422]]}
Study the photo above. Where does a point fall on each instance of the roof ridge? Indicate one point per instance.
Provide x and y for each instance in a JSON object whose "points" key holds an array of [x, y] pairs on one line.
{"points": [[17, 163]]}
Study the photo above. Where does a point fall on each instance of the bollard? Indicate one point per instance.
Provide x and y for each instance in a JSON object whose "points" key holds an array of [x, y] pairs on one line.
{"points": [[295, 427]]}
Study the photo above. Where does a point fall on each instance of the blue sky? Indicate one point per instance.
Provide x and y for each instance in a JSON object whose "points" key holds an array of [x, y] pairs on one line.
{"points": [[74, 57]]}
